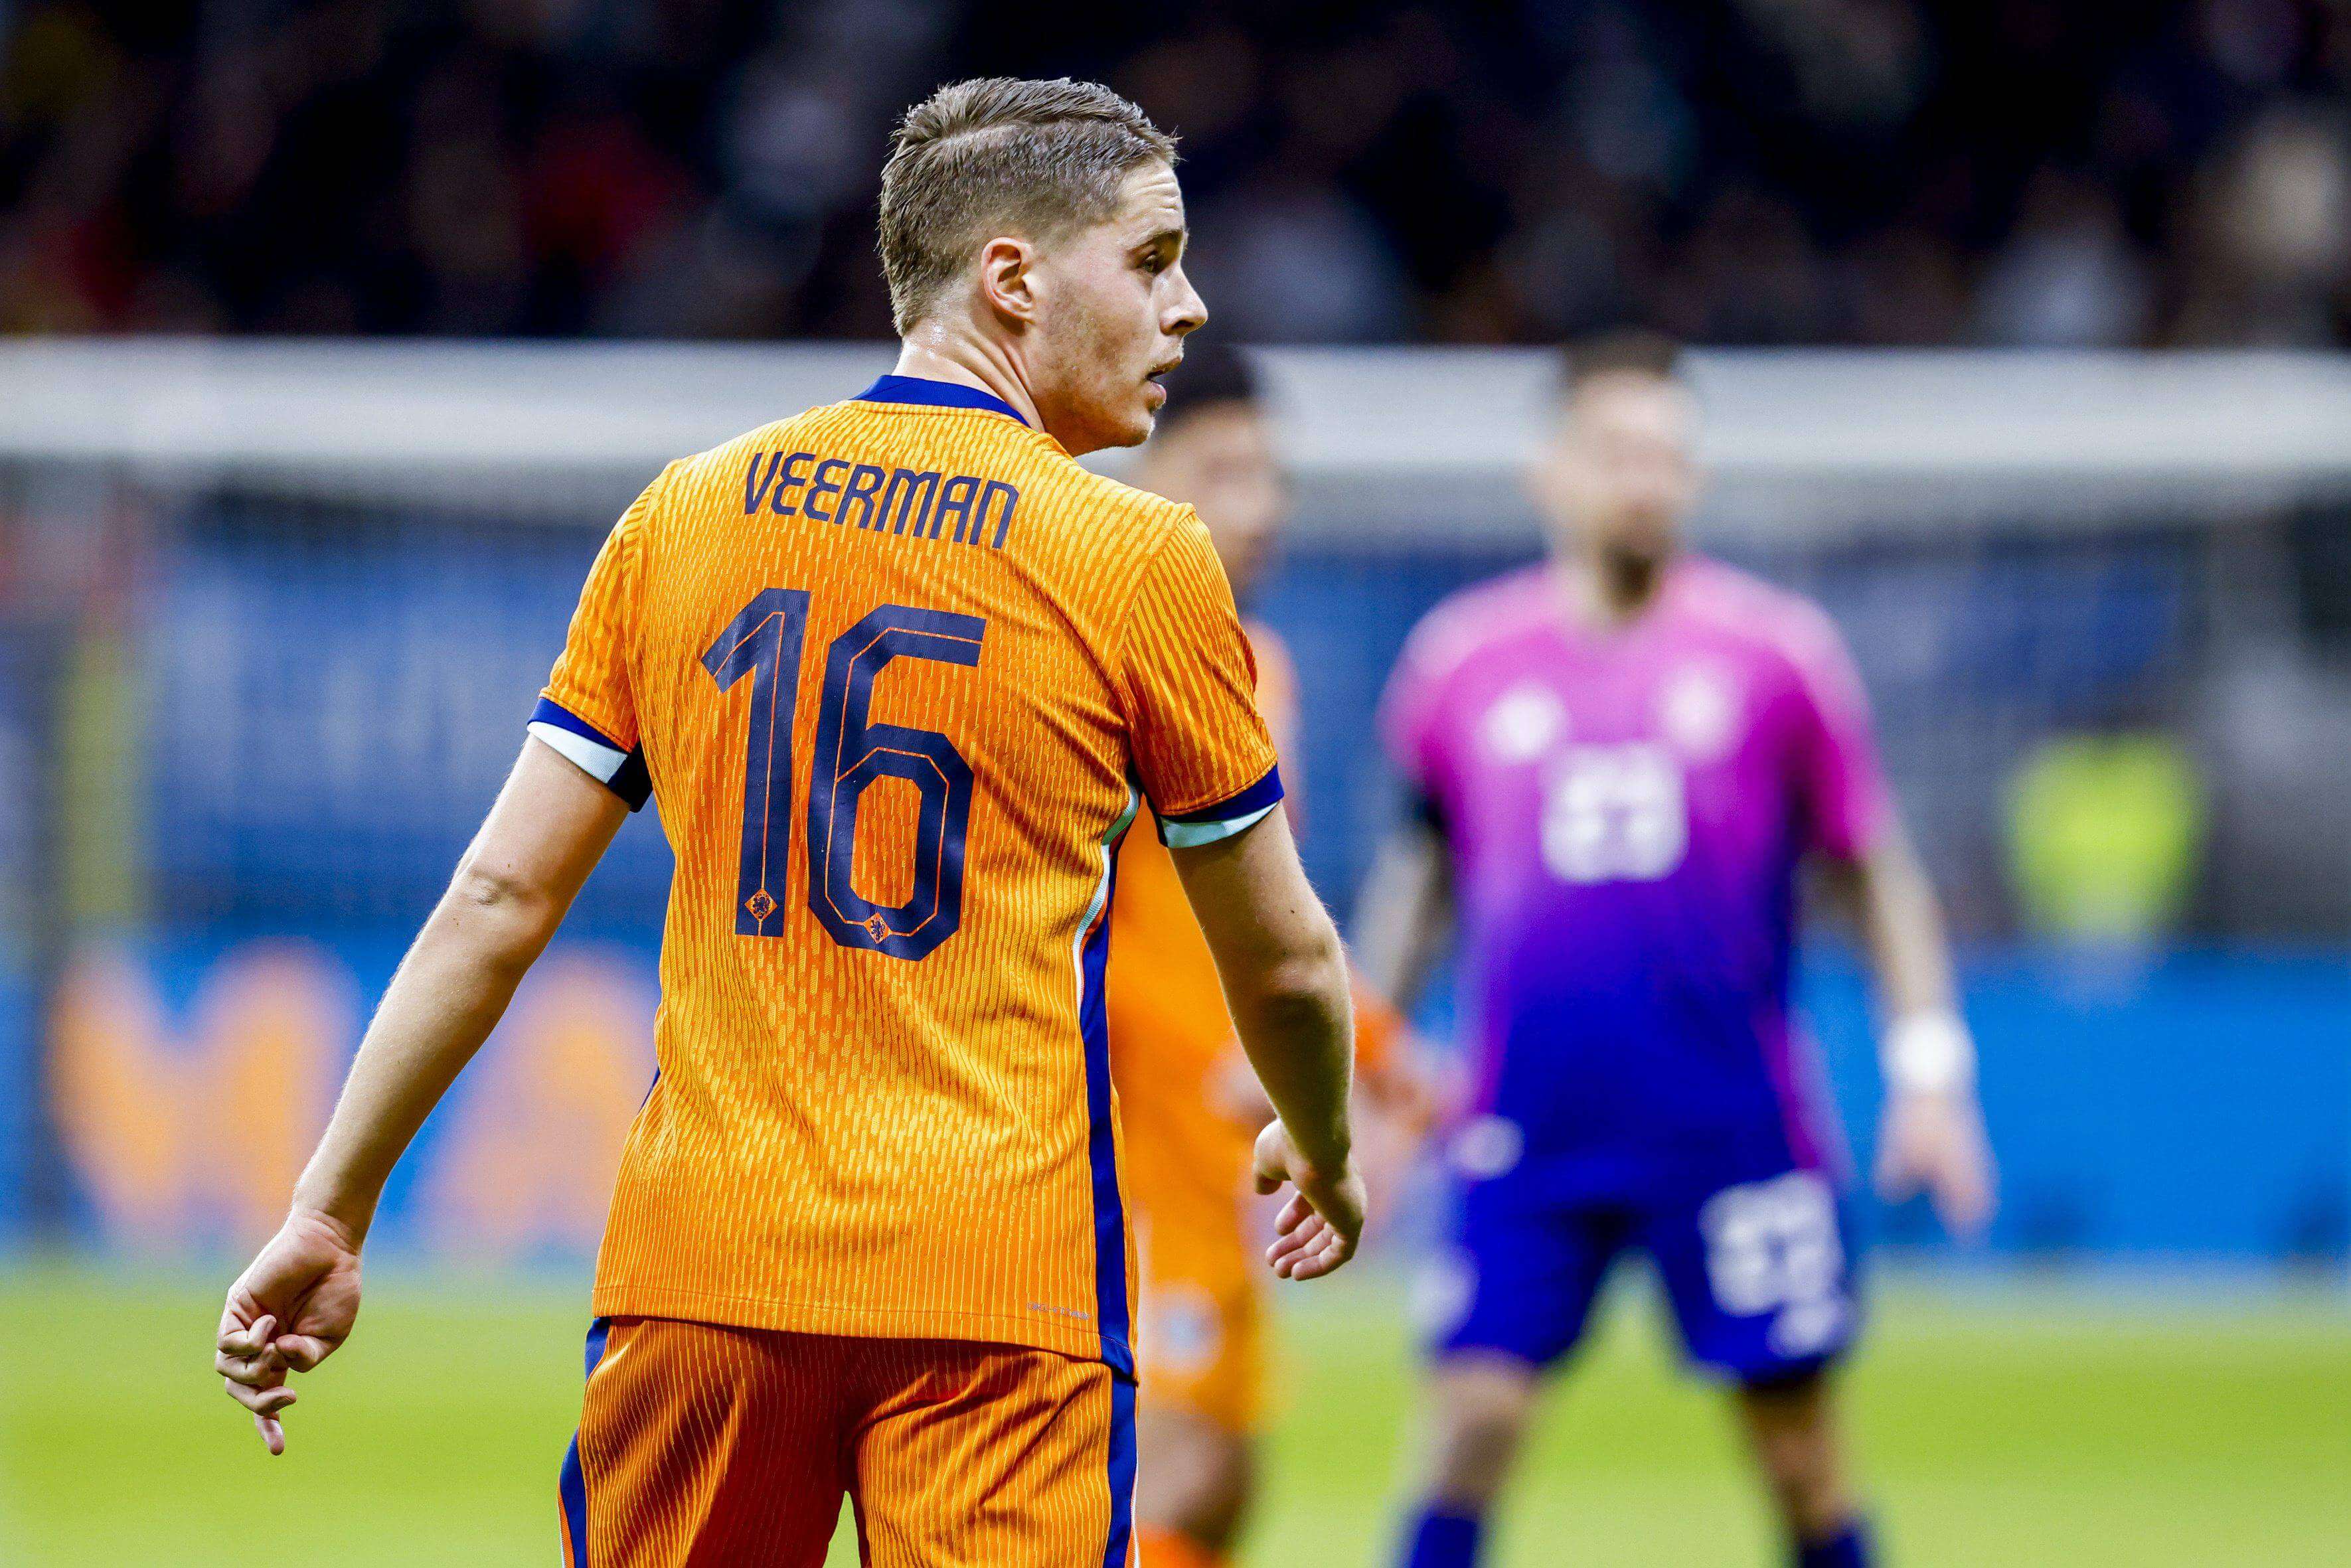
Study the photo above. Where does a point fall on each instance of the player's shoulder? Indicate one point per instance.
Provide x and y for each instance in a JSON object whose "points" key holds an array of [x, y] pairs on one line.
{"points": [[1750, 609], [1470, 621], [1109, 536], [1775, 624]]}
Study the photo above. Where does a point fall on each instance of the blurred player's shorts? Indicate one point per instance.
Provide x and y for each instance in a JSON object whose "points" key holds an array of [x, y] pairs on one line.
{"points": [[1760, 1275]]}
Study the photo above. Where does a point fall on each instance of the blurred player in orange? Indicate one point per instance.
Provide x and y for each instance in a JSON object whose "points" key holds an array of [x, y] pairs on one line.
{"points": [[900, 673], [1190, 1109]]}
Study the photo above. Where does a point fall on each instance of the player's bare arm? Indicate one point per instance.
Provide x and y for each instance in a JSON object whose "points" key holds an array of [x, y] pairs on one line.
{"points": [[1286, 984], [298, 1300], [1932, 1138], [1405, 912]]}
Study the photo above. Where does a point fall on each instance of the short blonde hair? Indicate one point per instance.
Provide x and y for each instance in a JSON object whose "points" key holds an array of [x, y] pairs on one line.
{"points": [[998, 155]]}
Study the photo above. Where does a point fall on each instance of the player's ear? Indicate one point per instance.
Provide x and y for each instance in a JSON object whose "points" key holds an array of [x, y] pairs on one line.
{"points": [[1008, 278]]}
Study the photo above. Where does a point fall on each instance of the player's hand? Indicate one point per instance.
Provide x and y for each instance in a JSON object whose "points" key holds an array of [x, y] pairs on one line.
{"points": [[286, 1313], [1935, 1143], [1317, 1230]]}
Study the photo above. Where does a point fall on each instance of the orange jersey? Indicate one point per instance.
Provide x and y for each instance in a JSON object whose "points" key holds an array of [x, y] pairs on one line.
{"points": [[898, 673]]}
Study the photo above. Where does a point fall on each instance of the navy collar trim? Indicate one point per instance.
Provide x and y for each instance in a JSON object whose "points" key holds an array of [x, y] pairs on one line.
{"points": [[938, 394]]}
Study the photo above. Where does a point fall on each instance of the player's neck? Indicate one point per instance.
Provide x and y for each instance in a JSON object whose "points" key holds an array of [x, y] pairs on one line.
{"points": [[938, 351], [1609, 592]]}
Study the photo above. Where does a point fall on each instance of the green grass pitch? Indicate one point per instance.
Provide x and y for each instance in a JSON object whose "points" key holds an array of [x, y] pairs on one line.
{"points": [[2018, 1425]]}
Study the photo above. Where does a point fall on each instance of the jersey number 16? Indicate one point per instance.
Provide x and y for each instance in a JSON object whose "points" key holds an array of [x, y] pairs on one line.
{"points": [[851, 754]]}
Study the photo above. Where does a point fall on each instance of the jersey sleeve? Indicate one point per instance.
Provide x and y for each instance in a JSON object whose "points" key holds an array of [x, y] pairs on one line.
{"points": [[1200, 747], [588, 711], [1840, 786]]}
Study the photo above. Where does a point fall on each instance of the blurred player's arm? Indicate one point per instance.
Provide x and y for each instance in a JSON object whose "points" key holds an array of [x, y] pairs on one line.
{"points": [[1933, 1136], [1885, 894], [298, 1300], [1404, 916], [1405, 912], [1287, 987]]}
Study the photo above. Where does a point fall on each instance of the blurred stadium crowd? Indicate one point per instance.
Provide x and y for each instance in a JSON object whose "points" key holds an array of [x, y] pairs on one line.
{"points": [[1735, 171]]}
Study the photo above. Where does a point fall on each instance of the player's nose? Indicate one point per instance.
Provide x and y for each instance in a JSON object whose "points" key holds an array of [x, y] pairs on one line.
{"points": [[1186, 311]]}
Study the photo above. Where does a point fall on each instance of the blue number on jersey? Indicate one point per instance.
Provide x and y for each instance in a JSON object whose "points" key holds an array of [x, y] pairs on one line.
{"points": [[764, 642], [851, 753]]}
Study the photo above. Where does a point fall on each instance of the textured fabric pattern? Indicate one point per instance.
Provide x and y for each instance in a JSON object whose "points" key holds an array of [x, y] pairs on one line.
{"points": [[701, 1444], [895, 669]]}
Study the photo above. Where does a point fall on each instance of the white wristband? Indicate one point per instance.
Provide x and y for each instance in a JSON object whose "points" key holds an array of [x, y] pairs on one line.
{"points": [[1928, 1053]]}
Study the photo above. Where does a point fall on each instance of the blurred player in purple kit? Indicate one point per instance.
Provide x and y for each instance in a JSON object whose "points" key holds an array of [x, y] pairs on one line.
{"points": [[1622, 758]]}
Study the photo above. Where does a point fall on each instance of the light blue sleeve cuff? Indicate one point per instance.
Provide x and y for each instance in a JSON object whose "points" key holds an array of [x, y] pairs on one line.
{"points": [[592, 751], [1192, 835], [1231, 815]]}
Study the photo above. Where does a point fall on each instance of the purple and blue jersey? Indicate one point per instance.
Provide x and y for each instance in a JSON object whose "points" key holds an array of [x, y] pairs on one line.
{"points": [[1626, 809]]}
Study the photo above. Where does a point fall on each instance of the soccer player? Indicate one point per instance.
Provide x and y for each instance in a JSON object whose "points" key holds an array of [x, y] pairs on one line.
{"points": [[1187, 1112], [1622, 758], [899, 672]]}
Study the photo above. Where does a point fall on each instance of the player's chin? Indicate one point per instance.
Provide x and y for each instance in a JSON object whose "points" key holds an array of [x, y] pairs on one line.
{"points": [[1649, 532], [1134, 424], [1638, 543]]}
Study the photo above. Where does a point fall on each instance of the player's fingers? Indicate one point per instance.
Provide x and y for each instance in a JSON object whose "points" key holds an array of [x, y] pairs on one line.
{"points": [[257, 1397], [1293, 1214], [1293, 1241], [265, 1370], [1286, 1252], [1283, 1247], [1966, 1217], [1963, 1200], [236, 1341], [1279, 1255], [1299, 1258], [260, 1401], [1334, 1248], [273, 1432], [1322, 1259], [302, 1351], [1303, 1232]]}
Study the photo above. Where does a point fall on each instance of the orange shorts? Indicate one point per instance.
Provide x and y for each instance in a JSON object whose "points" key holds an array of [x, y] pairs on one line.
{"points": [[1200, 1338], [707, 1445]]}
